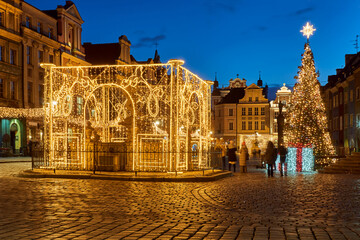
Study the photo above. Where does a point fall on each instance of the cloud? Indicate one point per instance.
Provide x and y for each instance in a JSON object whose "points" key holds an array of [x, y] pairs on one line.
{"points": [[149, 41], [303, 11], [214, 6]]}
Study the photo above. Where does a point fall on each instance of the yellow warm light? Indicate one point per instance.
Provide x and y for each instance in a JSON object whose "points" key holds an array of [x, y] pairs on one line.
{"points": [[144, 108], [308, 30]]}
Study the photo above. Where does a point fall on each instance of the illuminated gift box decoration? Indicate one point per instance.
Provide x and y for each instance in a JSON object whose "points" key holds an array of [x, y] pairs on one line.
{"points": [[300, 159]]}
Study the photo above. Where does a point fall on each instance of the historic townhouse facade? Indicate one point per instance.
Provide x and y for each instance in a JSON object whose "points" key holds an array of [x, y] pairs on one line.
{"points": [[241, 113], [28, 37], [282, 95], [11, 80], [342, 99]]}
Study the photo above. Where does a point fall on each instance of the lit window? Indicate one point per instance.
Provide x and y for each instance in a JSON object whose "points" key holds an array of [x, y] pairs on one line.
{"points": [[79, 102]]}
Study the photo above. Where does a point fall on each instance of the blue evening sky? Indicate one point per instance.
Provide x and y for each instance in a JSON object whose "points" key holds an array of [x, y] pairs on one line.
{"points": [[226, 36]]}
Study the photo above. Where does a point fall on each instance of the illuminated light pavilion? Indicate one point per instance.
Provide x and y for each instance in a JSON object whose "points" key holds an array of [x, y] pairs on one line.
{"points": [[151, 117]]}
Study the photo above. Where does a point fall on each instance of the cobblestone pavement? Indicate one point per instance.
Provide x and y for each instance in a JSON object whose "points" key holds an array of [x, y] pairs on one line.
{"points": [[246, 206]]}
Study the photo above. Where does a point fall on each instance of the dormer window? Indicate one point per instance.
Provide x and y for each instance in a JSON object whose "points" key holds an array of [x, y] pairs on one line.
{"points": [[250, 99]]}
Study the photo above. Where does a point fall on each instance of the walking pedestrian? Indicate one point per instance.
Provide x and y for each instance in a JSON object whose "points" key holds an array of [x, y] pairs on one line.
{"points": [[232, 155], [270, 158], [243, 155], [283, 164]]}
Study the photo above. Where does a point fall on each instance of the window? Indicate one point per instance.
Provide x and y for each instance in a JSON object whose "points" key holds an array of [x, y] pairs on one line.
{"points": [[1, 53], [28, 22], [41, 94], [256, 99], [51, 58], [262, 125], [243, 111], [351, 120], [275, 127], [51, 33], [250, 99], [1, 88], [30, 92], [243, 125], [79, 104], [2, 18], [341, 98], [250, 111], [346, 97], [231, 126], [11, 21], [262, 111], [40, 56], [39, 27], [256, 111], [341, 123], [351, 95], [29, 55], [29, 72], [256, 125], [12, 90], [249, 125], [13, 56], [41, 76], [334, 102], [231, 112]]}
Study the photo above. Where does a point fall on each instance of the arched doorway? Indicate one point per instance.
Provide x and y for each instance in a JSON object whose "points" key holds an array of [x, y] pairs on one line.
{"points": [[15, 137], [109, 116]]}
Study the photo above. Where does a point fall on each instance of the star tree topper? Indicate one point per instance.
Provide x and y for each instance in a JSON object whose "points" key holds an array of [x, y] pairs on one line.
{"points": [[308, 30]]}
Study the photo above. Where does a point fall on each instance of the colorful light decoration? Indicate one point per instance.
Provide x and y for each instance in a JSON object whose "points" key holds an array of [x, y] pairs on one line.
{"points": [[306, 121], [146, 107], [298, 160]]}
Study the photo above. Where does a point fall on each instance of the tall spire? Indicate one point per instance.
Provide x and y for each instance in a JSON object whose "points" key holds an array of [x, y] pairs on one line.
{"points": [[216, 83], [260, 82]]}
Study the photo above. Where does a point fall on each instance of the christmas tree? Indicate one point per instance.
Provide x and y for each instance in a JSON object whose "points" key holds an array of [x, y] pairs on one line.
{"points": [[306, 121]]}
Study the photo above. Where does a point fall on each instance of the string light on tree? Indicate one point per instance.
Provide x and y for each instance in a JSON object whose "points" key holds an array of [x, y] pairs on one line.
{"points": [[306, 123]]}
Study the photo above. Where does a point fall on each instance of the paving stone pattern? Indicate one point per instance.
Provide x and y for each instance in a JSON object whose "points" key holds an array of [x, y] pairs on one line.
{"points": [[246, 206]]}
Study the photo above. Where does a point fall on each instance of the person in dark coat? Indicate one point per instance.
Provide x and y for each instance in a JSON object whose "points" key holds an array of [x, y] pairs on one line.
{"points": [[270, 158], [283, 165], [232, 155]]}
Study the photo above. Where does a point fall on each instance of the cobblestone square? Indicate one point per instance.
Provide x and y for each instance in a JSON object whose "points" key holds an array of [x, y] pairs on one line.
{"points": [[245, 206]]}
